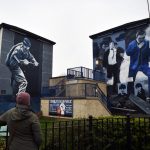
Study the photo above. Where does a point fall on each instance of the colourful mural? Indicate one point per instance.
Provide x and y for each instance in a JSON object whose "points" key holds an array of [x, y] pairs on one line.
{"points": [[124, 59]]}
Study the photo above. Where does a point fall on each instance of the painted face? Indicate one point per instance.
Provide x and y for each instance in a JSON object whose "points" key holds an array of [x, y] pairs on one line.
{"points": [[111, 45], [26, 47], [139, 89], [104, 46], [140, 38], [122, 91]]}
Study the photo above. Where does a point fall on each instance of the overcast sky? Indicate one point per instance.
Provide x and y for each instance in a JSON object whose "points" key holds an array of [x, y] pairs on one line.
{"points": [[69, 23]]}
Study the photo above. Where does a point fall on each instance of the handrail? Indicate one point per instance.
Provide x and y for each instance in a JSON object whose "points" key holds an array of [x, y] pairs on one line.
{"points": [[60, 90], [75, 73], [54, 90], [84, 72], [102, 95], [103, 98], [94, 90], [59, 83], [80, 72]]}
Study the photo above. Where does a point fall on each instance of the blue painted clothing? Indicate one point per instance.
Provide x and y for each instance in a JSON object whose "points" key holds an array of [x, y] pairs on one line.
{"points": [[139, 58]]}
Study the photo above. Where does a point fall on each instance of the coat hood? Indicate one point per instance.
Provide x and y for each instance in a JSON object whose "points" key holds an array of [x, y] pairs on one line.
{"points": [[21, 112]]}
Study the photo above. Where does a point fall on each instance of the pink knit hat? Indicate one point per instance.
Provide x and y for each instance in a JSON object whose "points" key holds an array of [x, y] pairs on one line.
{"points": [[23, 98]]}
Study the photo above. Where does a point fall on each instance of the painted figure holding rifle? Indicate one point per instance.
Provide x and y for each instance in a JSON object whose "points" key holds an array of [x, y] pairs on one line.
{"points": [[18, 56]]}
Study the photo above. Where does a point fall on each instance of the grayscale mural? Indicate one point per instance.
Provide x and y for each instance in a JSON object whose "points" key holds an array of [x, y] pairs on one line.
{"points": [[19, 56]]}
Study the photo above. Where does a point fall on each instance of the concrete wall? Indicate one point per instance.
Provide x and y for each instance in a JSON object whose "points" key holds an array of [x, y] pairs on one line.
{"points": [[1, 33], [45, 107], [7, 41], [76, 88], [82, 108], [47, 64], [103, 87], [55, 81], [81, 81]]}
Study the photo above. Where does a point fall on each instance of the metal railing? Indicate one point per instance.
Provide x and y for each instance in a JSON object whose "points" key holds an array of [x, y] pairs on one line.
{"points": [[101, 95], [82, 72], [126, 133], [77, 90]]}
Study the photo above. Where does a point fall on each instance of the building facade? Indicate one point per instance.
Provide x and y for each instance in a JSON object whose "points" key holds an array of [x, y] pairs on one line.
{"points": [[41, 49], [122, 56]]}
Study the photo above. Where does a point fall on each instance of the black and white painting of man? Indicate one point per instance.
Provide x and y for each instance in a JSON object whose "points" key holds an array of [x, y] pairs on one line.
{"points": [[122, 89], [139, 91], [111, 63], [19, 56]]}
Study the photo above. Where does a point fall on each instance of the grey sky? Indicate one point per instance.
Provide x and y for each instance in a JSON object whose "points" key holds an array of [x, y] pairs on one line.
{"points": [[69, 23]]}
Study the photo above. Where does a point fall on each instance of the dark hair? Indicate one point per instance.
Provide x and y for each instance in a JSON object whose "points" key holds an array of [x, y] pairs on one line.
{"points": [[138, 85], [26, 42], [140, 32], [104, 43], [115, 43], [122, 86]]}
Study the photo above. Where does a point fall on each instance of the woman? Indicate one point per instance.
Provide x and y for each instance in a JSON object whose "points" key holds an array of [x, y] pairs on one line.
{"points": [[23, 125]]}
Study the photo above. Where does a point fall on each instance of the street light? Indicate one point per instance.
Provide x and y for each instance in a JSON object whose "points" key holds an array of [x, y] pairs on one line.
{"points": [[97, 62], [148, 8]]}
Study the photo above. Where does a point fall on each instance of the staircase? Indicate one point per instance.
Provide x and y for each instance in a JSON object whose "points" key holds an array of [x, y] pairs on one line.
{"points": [[103, 98], [143, 105], [60, 88], [57, 90]]}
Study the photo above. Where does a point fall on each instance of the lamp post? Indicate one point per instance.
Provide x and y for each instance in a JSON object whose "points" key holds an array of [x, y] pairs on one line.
{"points": [[148, 8]]}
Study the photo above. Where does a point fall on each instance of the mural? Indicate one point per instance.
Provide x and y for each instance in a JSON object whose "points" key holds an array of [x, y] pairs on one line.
{"points": [[19, 55], [24, 65], [24, 62], [101, 49], [124, 60]]}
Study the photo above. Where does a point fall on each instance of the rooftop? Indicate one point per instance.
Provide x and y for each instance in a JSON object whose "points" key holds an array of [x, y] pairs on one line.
{"points": [[25, 32], [126, 26]]}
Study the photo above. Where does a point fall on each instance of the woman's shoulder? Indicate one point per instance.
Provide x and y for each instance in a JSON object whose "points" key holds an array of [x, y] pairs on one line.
{"points": [[33, 116]]}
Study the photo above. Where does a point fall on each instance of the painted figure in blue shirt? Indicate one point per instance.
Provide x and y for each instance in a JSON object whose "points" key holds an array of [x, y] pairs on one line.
{"points": [[19, 55], [139, 53]]}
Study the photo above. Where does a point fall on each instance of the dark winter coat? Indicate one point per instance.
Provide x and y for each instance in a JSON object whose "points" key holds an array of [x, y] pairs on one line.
{"points": [[141, 94], [23, 127]]}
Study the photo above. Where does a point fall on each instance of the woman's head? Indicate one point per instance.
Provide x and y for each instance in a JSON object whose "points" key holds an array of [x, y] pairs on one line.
{"points": [[23, 98]]}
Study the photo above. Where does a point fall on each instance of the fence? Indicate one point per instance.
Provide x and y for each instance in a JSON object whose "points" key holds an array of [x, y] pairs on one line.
{"points": [[126, 133], [82, 72], [77, 90], [98, 134]]}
